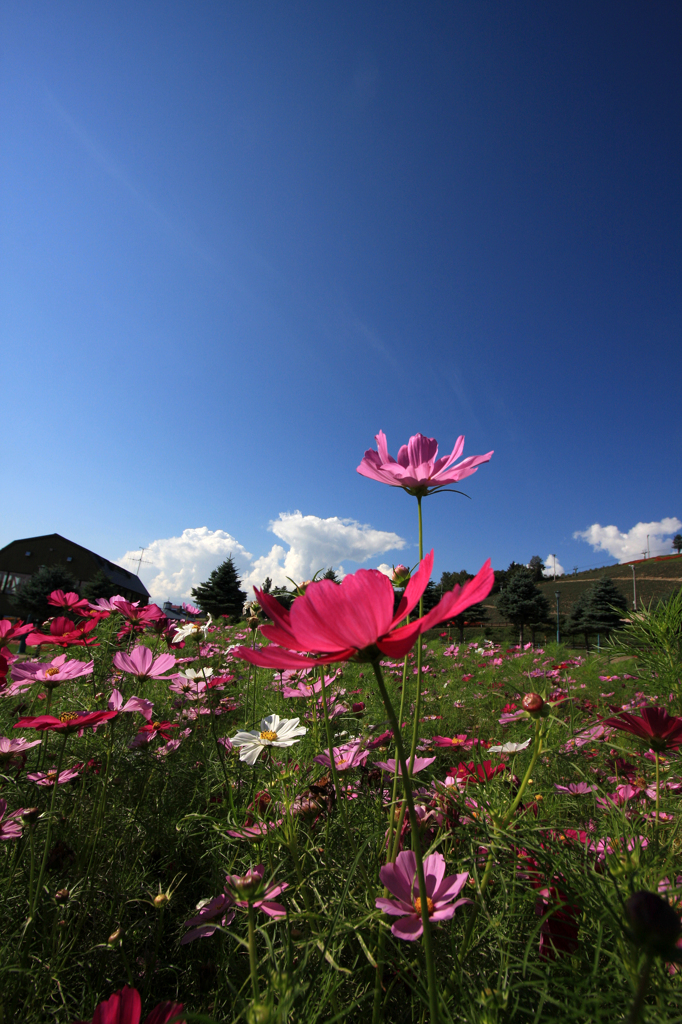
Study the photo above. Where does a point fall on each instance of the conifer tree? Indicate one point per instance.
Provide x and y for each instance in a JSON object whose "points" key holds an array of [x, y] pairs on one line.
{"points": [[599, 609], [475, 613], [31, 600], [677, 542], [521, 602], [221, 593]]}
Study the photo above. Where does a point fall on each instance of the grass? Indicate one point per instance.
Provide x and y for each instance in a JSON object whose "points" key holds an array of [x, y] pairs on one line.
{"points": [[139, 839]]}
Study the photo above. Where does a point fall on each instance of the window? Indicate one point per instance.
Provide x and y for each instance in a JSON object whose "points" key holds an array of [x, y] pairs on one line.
{"points": [[69, 558], [28, 554]]}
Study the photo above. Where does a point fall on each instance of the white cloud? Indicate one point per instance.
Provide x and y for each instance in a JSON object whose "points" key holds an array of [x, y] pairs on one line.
{"points": [[626, 547], [386, 569], [549, 567], [180, 563]]}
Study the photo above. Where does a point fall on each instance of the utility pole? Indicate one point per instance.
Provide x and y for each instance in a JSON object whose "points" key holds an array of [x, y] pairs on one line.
{"points": [[554, 557], [634, 589], [648, 553], [558, 637]]}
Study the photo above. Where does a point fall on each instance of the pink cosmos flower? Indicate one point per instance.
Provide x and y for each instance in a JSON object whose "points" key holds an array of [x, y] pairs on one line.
{"points": [[246, 887], [660, 730], [417, 469], [575, 788], [257, 831], [144, 707], [218, 912], [68, 602], [349, 755], [10, 824], [419, 764], [354, 620], [401, 879], [125, 1007], [142, 663], [460, 740], [52, 673], [49, 778], [13, 752]]}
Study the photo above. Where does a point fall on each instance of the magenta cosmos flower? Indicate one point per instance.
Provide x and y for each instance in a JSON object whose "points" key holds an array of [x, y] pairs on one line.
{"points": [[125, 1007], [9, 632], [401, 879], [417, 470], [69, 602], [64, 633], [142, 664], [354, 620], [349, 755], [52, 673]]}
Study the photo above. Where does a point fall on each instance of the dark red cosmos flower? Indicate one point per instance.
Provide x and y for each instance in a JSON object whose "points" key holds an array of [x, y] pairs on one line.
{"points": [[64, 633], [69, 602], [659, 729], [158, 728], [558, 931], [125, 1007], [70, 721], [473, 772]]}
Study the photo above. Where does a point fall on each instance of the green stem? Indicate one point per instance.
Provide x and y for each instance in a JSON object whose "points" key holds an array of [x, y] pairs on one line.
{"points": [[253, 960], [658, 779], [414, 824], [418, 701], [392, 853], [379, 978], [638, 1002], [46, 851]]}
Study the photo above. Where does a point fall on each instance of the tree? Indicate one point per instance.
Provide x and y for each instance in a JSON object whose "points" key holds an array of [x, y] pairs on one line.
{"points": [[31, 600], [677, 542], [475, 613], [503, 576], [221, 594], [99, 586], [537, 567], [521, 602], [266, 587], [330, 574], [600, 609]]}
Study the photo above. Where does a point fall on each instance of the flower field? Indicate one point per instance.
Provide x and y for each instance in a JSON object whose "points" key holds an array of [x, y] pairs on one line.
{"points": [[333, 813]]}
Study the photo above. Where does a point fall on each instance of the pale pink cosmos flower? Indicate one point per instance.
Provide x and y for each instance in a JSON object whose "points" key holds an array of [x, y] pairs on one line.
{"points": [[9, 747], [255, 832], [142, 664], [419, 764], [102, 604], [349, 755], [575, 788], [139, 704], [400, 878], [185, 686], [10, 824], [417, 470], [49, 778], [50, 673]]}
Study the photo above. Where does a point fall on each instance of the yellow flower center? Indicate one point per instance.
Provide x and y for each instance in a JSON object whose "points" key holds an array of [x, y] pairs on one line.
{"points": [[51, 776], [269, 735], [51, 671], [156, 725], [418, 905], [339, 763], [68, 716]]}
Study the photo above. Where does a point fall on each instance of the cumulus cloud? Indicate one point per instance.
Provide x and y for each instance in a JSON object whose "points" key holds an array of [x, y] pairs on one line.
{"points": [[180, 563], [316, 543], [626, 547], [549, 567]]}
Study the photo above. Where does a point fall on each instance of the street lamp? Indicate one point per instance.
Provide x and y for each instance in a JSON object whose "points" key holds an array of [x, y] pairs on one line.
{"points": [[558, 637]]}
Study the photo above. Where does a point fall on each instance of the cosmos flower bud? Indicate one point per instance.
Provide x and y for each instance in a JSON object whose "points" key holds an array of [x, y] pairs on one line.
{"points": [[260, 1013], [401, 575], [655, 925], [161, 900], [31, 815], [253, 621], [62, 895], [115, 937], [533, 703], [247, 886]]}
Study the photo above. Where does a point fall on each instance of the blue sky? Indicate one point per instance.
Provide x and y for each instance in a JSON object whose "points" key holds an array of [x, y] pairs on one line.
{"points": [[237, 239]]}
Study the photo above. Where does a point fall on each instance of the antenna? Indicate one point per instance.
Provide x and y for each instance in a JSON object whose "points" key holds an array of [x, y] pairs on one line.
{"points": [[140, 561]]}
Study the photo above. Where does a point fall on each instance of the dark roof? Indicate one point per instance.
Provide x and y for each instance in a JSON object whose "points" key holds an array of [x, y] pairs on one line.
{"points": [[28, 554]]}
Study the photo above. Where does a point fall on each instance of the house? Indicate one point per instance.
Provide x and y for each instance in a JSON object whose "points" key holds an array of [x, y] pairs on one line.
{"points": [[20, 559]]}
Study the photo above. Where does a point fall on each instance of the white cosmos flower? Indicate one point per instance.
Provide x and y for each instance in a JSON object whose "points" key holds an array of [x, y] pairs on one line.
{"points": [[274, 732], [509, 748], [191, 629]]}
